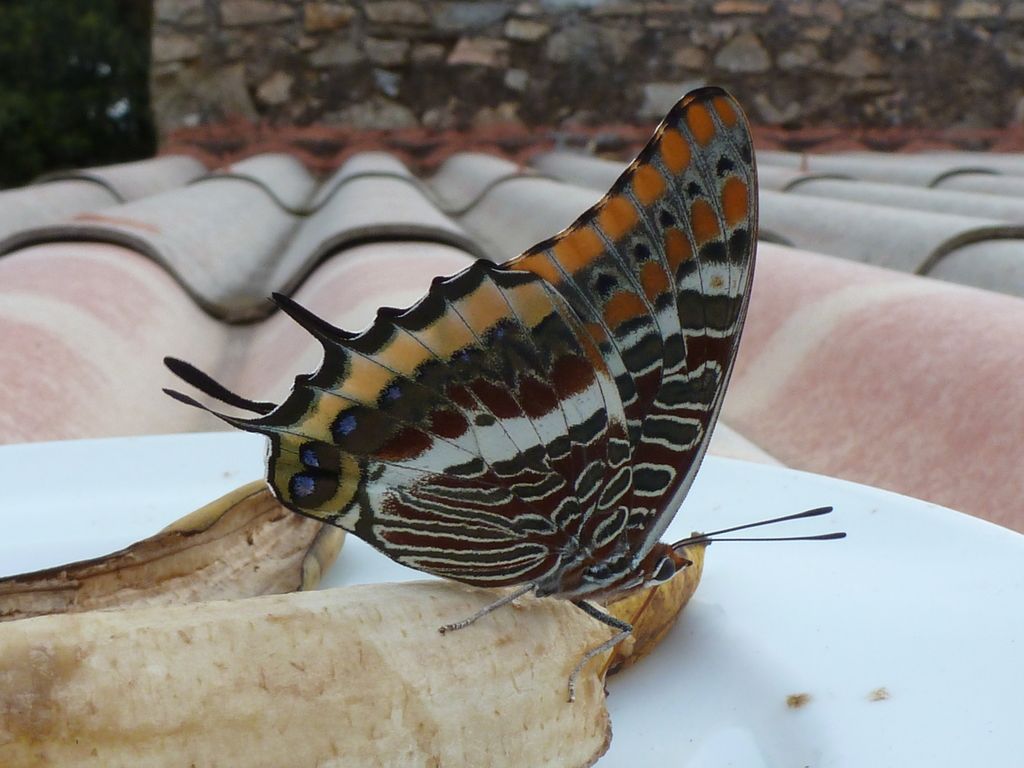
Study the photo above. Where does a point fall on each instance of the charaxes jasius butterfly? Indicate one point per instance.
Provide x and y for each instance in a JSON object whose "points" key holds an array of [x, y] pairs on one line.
{"points": [[537, 423]]}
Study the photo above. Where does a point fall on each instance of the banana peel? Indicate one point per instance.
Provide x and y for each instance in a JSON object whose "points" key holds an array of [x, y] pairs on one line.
{"points": [[653, 611], [241, 545], [335, 677]]}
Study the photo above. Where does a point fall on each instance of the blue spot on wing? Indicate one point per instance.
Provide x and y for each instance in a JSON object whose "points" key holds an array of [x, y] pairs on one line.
{"points": [[345, 425], [302, 486], [308, 456]]}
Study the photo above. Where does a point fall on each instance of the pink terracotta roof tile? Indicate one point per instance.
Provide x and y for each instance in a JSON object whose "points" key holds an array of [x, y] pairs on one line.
{"points": [[887, 379], [85, 328]]}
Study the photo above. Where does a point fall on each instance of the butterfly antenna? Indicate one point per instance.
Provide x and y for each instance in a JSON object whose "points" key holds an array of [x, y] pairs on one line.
{"points": [[208, 386], [707, 538]]}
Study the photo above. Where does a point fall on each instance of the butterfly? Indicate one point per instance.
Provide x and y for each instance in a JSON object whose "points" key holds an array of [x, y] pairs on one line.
{"points": [[536, 424]]}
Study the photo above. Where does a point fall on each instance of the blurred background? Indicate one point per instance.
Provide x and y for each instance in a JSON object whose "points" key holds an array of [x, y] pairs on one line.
{"points": [[74, 85], [87, 82]]}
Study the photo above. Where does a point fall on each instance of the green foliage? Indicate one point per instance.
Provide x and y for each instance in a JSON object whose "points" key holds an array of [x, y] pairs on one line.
{"points": [[73, 85]]}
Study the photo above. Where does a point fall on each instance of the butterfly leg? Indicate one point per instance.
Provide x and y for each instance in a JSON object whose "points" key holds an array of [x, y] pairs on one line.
{"points": [[487, 609], [625, 630]]}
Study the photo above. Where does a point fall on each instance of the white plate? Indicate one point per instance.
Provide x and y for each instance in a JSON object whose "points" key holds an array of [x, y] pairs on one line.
{"points": [[907, 637]]}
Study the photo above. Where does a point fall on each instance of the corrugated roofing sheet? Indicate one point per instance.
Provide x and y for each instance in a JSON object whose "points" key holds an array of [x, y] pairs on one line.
{"points": [[848, 369]]}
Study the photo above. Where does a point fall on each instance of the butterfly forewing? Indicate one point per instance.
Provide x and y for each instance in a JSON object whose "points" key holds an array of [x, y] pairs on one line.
{"points": [[715, 207], [690, 198], [539, 422]]}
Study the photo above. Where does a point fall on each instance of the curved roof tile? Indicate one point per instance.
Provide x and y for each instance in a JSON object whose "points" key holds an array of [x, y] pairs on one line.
{"points": [[44, 203], [283, 177], [886, 379], [131, 181]]}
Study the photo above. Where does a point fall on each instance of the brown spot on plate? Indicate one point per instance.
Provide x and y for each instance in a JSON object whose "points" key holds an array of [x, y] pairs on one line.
{"points": [[798, 700]]}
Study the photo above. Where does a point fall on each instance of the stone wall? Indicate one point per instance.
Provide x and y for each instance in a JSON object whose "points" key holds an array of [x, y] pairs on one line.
{"points": [[402, 63]]}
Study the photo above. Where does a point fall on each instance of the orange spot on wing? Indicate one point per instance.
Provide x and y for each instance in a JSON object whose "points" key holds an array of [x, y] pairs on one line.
{"points": [[653, 279], [648, 184], [540, 265], [482, 308], [677, 248], [700, 123], [621, 307], [531, 303], [734, 201], [447, 335], [617, 217], [725, 110], [403, 353], [316, 421], [366, 380], [590, 349], [675, 152], [578, 248], [704, 222], [597, 332]]}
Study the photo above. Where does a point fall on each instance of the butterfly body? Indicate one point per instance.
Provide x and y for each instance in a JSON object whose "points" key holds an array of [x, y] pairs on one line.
{"points": [[537, 423]]}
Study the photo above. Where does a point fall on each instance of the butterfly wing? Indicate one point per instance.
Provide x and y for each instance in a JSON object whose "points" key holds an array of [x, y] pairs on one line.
{"points": [[659, 271], [520, 415]]}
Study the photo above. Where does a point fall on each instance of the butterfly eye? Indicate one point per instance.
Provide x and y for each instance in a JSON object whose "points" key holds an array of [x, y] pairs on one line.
{"points": [[666, 570]]}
